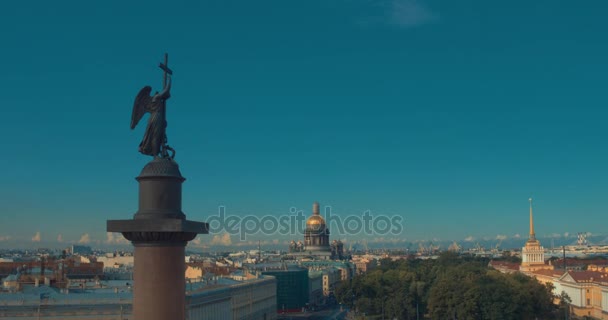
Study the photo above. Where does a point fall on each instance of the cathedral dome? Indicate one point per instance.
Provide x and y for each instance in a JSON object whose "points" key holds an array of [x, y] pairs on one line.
{"points": [[315, 221]]}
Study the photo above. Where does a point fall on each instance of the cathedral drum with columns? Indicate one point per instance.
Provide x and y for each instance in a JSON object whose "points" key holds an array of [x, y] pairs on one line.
{"points": [[316, 243], [316, 234]]}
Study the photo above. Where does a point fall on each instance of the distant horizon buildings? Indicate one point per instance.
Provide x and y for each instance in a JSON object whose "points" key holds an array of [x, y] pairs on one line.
{"points": [[80, 249], [224, 241], [115, 241]]}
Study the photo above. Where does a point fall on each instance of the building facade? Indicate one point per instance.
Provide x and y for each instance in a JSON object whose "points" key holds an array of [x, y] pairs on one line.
{"points": [[315, 288], [219, 298], [252, 299], [587, 290], [292, 291]]}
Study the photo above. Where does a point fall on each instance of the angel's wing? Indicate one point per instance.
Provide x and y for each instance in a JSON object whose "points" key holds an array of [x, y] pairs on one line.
{"points": [[139, 106]]}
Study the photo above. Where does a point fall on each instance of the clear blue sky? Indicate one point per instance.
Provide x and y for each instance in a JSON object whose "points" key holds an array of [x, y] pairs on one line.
{"points": [[449, 113]]}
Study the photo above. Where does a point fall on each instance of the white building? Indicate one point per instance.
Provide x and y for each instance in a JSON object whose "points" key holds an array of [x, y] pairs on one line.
{"points": [[115, 262], [251, 299]]}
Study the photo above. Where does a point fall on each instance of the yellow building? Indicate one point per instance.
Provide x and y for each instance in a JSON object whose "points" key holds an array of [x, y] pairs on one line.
{"points": [[364, 263], [533, 254], [194, 272], [331, 278], [587, 290]]}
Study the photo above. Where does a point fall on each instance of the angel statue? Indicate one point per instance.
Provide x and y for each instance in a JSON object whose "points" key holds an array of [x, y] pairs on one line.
{"points": [[154, 142]]}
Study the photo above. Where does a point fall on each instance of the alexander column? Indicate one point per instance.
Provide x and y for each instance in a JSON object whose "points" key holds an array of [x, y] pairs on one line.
{"points": [[159, 230]]}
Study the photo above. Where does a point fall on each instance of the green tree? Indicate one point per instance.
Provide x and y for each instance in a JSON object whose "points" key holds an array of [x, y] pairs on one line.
{"points": [[564, 306], [451, 287]]}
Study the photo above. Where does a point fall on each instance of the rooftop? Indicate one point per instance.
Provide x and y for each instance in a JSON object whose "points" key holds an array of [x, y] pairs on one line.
{"points": [[588, 276], [108, 292]]}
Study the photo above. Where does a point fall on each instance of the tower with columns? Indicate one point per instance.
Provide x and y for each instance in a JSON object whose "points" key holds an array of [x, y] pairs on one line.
{"points": [[533, 254]]}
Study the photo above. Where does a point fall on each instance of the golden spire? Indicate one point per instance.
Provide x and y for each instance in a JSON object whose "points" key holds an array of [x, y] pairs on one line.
{"points": [[532, 235]]}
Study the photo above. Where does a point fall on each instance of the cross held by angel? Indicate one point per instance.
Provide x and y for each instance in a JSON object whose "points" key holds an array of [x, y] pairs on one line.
{"points": [[154, 142]]}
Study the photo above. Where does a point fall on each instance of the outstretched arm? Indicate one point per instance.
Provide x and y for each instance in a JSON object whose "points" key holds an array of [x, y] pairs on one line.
{"points": [[165, 94]]}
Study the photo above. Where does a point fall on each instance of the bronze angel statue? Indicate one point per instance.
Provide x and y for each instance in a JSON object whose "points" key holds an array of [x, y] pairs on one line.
{"points": [[154, 142]]}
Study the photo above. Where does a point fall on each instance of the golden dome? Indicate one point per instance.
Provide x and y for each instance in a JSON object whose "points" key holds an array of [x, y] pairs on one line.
{"points": [[315, 220]]}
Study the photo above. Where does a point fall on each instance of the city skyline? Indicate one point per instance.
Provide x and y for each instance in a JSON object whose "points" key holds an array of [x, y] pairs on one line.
{"points": [[449, 115], [220, 239]]}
